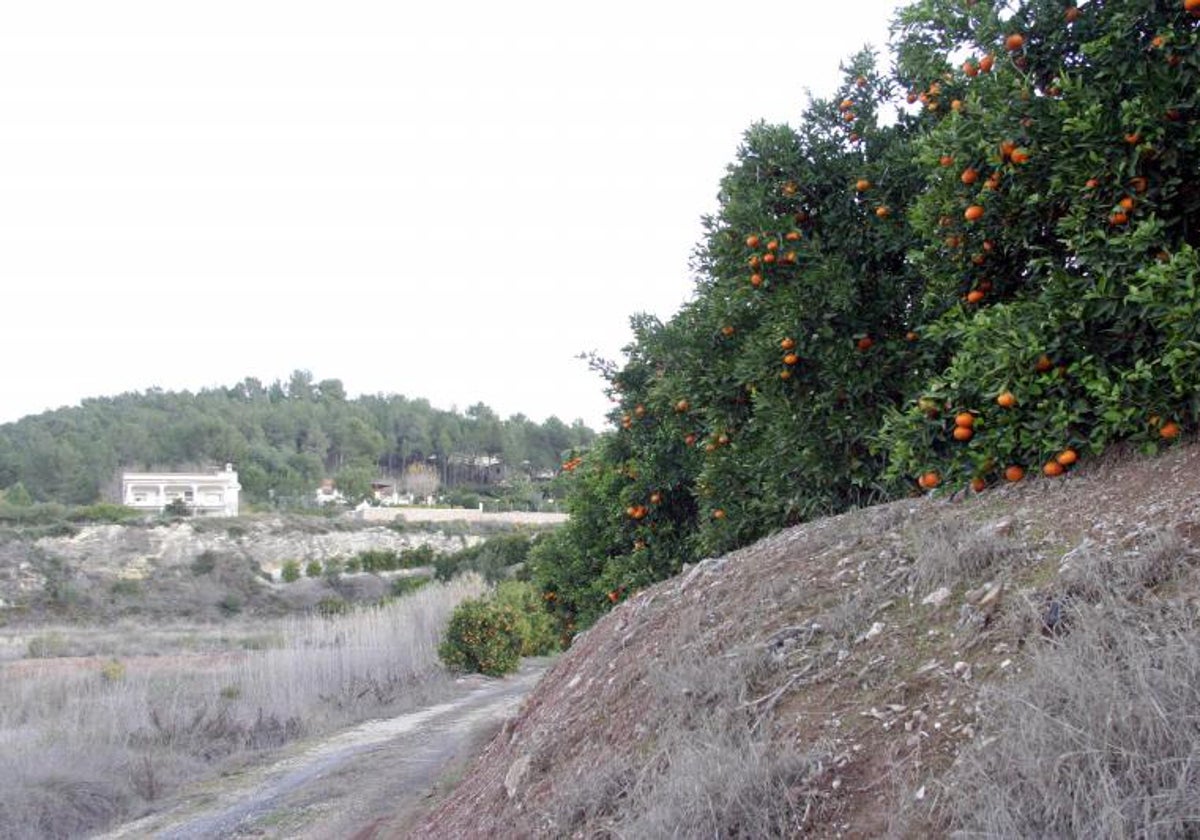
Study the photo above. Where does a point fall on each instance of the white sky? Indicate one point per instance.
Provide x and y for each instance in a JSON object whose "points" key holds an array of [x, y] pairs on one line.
{"points": [[448, 201]]}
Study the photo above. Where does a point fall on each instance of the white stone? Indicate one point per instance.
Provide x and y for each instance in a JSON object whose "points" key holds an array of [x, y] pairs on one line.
{"points": [[937, 597]]}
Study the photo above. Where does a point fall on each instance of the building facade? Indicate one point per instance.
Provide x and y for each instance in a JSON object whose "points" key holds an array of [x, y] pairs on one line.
{"points": [[206, 494]]}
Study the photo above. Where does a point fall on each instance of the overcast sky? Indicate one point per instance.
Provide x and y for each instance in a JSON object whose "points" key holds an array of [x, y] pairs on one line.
{"points": [[448, 201]]}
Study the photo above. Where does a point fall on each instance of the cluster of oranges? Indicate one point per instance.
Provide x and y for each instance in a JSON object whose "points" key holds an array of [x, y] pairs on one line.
{"points": [[769, 257], [790, 359], [571, 464]]}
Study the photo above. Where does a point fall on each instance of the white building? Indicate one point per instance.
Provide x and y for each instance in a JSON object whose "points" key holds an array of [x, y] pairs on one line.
{"points": [[207, 494]]}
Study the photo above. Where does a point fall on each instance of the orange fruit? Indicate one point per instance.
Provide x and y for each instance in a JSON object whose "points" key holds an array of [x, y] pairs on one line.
{"points": [[946, 160], [787, 343], [1126, 203], [1067, 457], [1006, 400], [773, 245], [1019, 156], [689, 440], [1014, 473], [978, 484], [639, 410], [1170, 430], [965, 419], [769, 257], [970, 68], [789, 257], [727, 330], [911, 336], [963, 433], [792, 235], [1007, 147], [791, 359], [847, 104], [1014, 42], [754, 261], [752, 241], [719, 513], [955, 105], [1118, 219], [655, 498], [1133, 138], [973, 213], [1092, 183], [969, 176], [682, 406], [1043, 364], [756, 280], [785, 374], [865, 343], [882, 212], [1071, 14], [975, 296], [929, 480], [1052, 469], [862, 185], [985, 63]]}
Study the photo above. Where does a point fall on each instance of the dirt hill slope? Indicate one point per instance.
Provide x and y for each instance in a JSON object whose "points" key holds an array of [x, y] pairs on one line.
{"points": [[1020, 662]]}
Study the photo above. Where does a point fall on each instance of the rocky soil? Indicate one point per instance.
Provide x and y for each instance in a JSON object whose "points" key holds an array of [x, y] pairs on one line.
{"points": [[828, 680], [136, 552]]}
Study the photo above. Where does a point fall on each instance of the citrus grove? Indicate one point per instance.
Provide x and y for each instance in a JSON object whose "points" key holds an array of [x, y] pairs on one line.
{"points": [[973, 265]]}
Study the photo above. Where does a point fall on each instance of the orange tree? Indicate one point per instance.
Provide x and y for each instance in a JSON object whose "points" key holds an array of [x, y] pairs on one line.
{"points": [[751, 407], [999, 280], [1058, 230]]}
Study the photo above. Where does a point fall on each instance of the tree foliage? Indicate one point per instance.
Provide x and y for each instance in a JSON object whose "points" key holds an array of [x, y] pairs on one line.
{"points": [[283, 438], [997, 279]]}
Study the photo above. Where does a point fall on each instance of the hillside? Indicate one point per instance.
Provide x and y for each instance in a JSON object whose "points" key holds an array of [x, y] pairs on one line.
{"points": [[1022, 662]]}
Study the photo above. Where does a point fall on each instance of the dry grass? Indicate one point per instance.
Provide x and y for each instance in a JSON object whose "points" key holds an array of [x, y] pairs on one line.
{"points": [[711, 766], [1102, 735], [958, 551], [1102, 738], [88, 743]]}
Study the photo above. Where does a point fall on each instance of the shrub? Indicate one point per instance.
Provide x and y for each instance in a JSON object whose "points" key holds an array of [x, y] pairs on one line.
{"points": [[313, 568], [47, 645], [537, 628], [102, 512], [484, 636], [177, 509], [406, 585], [332, 606], [493, 558], [204, 563], [378, 560], [290, 571]]}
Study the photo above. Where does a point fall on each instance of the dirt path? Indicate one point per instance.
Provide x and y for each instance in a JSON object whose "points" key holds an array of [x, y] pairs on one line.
{"points": [[369, 781]]}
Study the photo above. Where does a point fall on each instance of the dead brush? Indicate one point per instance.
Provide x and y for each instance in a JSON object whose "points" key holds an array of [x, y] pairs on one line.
{"points": [[1152, 559], [956, 551], [712, 767], [1101, 737]]}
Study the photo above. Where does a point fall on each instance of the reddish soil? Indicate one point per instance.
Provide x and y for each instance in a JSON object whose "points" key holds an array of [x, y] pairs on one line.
{"points": [[869, 669]]}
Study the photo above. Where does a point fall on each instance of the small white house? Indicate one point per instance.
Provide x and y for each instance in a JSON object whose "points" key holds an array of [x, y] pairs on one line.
{"points": [[207, 494]]}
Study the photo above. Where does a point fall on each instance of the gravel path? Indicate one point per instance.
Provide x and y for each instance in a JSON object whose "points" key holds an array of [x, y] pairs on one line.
{"points": [[369, 781]]}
